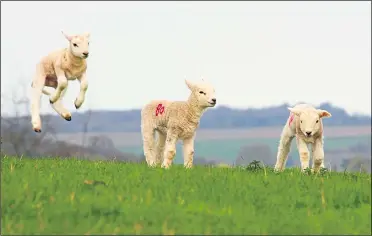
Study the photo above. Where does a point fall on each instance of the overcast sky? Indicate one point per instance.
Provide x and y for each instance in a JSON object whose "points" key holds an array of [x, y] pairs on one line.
{"points": [[255, 53]]}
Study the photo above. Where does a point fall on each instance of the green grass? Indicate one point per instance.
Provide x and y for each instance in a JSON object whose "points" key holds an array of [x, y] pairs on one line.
{"points": [[55, 196], [228, 150]]}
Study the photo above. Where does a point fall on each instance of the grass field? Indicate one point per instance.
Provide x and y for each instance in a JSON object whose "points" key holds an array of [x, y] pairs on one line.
{"points": [[55, 196]]}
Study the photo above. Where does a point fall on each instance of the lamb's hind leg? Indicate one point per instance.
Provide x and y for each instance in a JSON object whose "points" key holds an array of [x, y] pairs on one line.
{"points": [[160, 148], [148, 139], [37, 88], [283, 149]]}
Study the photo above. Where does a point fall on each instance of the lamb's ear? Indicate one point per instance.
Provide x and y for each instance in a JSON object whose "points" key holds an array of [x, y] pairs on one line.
{"points": [[68, 37], [323, 113], [295, 111], [189, 84], [87, 35]]}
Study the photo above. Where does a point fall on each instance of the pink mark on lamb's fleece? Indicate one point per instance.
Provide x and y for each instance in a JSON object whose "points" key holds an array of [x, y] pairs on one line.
{"points": [[159, 109], [291, 117]]}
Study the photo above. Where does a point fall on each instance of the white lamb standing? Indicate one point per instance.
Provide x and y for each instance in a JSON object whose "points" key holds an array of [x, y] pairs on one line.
{"points": [[54, 70], [304, 122], [174, 120]]}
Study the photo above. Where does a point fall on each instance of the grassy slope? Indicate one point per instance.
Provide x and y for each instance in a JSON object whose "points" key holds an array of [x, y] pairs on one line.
{"points": [[56, 197]]}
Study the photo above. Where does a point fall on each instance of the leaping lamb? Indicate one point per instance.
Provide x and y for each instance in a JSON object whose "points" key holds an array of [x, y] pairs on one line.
{"points": [[304, 122], [173, 120], [54, 70]]}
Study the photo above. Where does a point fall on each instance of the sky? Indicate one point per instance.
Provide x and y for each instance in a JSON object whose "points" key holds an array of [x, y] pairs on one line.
{"points": [[256, 54]]}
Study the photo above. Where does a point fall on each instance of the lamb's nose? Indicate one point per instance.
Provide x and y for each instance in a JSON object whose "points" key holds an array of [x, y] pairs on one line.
{"points": [[214, 100], [308, 133], [86, 53]]}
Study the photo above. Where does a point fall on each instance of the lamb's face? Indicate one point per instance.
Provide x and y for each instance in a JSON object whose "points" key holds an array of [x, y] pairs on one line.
{"points": [[310, 120], [204, 93], [79, 45]]}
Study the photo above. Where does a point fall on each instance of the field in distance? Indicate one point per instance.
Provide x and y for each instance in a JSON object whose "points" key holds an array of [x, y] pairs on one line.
{"points": [[225, 145], [228, 150], [130, 139], [50, 196]]}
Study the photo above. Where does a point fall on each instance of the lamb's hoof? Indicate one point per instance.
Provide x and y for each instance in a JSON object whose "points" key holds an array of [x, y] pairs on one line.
{"points": [[76, 106], [68, 118], [37, 130], [165, 167]]}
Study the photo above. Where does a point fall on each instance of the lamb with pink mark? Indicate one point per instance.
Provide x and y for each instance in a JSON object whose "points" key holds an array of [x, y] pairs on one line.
{"points": [[174, 120], [55, 70], [304, 123]]}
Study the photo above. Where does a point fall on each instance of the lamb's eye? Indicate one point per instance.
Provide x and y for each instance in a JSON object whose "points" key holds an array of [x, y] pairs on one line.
{"points": [[301, 121], [75, 45], [88, 43], [317, 121], [201, 92]]}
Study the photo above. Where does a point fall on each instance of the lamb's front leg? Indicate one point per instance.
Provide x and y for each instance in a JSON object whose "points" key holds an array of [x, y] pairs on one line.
{"points": [[303, 152], [318, 154], [83, 89], [62, 85], [60, 109], [170, 149], [188, 152]]}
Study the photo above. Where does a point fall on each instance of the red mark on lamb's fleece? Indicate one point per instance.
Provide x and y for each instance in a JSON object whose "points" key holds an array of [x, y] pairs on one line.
{"points": [[291, 117], [159, 109]]}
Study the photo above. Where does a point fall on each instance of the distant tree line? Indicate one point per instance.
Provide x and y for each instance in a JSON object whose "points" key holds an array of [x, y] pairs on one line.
{"points": [[218, 118]]}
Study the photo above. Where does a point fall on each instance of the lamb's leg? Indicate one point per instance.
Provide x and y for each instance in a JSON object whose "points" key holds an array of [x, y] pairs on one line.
{"points": [[284, 148], [83, 89], [318, 154], [148, 139], [37, 89], [170, 149], [60, 109], [304, 153], [62, 84], [160, 148], [188, 152]]}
